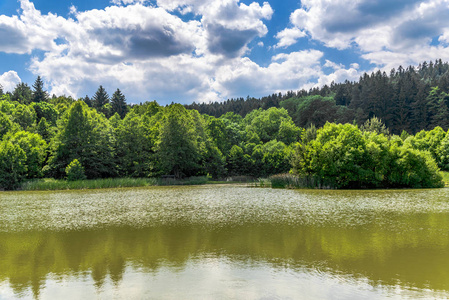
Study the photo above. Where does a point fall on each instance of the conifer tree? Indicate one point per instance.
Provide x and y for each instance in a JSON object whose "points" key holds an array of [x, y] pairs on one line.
{"points": [[118, 104], [88, 101], [39, 95], [22, 93], [100, 98]]}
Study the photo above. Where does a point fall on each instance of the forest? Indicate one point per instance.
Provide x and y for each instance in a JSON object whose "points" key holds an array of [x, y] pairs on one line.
{"points": [[382, 131]]}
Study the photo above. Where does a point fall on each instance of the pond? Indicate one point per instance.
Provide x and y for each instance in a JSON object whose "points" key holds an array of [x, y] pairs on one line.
{"points": [[224, 242]]}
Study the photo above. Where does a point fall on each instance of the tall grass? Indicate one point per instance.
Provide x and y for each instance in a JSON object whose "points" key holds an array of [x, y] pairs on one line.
{"points": [[53, 184], [292, 181]]}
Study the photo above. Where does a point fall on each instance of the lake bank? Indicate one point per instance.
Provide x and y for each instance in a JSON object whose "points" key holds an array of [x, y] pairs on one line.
{"points": [[277, 181]]}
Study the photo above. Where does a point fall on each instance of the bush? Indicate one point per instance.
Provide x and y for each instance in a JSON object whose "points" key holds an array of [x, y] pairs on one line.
{"points": [[12, 165], [75, 171], [343, 157]]}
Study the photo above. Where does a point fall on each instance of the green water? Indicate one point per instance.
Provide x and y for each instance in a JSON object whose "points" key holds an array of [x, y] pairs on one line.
{"points": [[224, 242]]}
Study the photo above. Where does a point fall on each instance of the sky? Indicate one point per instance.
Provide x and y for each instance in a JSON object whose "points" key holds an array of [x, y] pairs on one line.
{"points": [[212, 50]]}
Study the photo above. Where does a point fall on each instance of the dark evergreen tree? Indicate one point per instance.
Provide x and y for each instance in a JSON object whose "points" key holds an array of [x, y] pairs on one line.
{"points": [[39, 95], [88, 101], [22, 93], [100, 99], [118, 104]]}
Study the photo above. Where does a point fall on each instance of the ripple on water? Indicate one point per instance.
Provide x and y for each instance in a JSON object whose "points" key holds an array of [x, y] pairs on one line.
{"points": [[214, 206]]}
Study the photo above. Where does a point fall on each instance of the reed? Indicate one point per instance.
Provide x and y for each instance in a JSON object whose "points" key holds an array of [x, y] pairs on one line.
{"points": [[292, 181], [53, 184]]}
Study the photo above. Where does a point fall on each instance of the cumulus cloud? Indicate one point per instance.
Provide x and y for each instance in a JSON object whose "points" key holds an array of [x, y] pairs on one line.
{"points": [[286, 72], [152, 54], [289, 36], [9, 80], [229, 25], [382, 30], [127, 2], [30, 31]]}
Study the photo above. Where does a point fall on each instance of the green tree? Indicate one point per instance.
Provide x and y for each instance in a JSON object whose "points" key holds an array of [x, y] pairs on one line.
{"points": [[375, 125], [100, 99], [343, 157], [35, 149], [238, 163], [39, 94], [44, 130], [45, 110], [12, 165], [135, 145], [75, 171], [276, 158], [177, 147], [24, 115], [5, 124], [87, 136], [267, 124], [118, 104], [22, 93]]}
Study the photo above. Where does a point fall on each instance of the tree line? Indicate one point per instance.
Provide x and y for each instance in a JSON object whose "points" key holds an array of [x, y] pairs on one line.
{"points": [[408, 99], [102, 137]]}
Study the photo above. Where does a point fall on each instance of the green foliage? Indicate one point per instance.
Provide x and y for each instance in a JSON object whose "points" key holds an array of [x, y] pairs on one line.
{"points": [[135, 143], [53, 184], [85, 135], [44, 130], [346, 158], [375, 125], [22, 93], [315, 110], [61, 103], [271, 124], [428, 141], [75, 171], [179, 145], [12, 165], [5, 125], [24, 115], [118, 104], [100, 99], [414, 168], [35, 149], [238, 163], [39, 95], [45, 110]]}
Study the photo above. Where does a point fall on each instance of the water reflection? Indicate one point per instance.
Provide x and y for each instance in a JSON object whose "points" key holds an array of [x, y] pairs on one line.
{"points": [[358, 247]]}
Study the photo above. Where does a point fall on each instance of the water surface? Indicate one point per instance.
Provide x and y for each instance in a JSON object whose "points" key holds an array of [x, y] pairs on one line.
{"points": [[224, 242]]}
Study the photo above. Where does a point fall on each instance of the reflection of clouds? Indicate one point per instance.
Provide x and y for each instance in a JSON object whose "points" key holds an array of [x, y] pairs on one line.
{"points": [[225, 278]]}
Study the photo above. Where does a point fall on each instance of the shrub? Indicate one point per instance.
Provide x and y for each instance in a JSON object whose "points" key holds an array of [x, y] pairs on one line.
{"points": [[75, 171]]}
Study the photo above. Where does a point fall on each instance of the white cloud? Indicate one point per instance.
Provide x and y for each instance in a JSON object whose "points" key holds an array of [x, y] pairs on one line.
{"points": [[382, 31], [229, 25], [286, 72], [288, 37], [127, 2], [9, 80], [151, 54]]}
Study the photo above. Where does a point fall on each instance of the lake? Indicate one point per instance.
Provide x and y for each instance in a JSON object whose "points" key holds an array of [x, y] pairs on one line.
{"points": [[224, 242]]}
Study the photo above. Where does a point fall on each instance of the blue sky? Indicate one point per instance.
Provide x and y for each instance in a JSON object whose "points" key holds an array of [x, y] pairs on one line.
{"points": [[211, 50]]}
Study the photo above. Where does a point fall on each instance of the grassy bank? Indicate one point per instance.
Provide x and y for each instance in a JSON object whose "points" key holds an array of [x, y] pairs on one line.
{"points": [[54, 184]]}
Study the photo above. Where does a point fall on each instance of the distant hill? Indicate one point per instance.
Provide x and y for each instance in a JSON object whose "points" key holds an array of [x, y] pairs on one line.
{"points": [[408, 99]]}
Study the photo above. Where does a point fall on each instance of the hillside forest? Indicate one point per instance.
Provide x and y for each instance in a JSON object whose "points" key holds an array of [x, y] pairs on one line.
{"points": [[382, 131]]}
